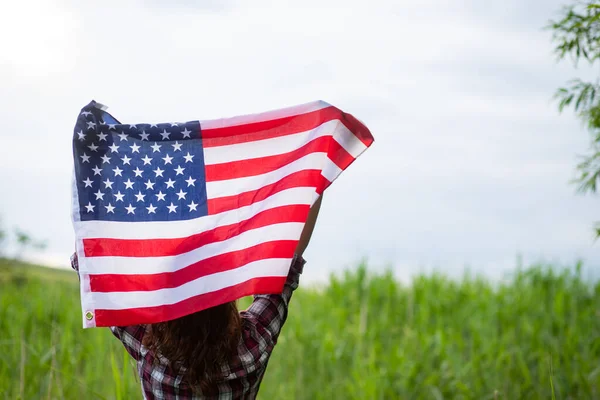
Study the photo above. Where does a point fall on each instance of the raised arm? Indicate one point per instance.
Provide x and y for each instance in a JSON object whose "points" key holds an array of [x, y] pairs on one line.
{"points": [[269, 312], [309, 227]]}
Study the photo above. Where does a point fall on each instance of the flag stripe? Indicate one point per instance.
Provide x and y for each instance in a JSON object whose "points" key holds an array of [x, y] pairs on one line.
{"points": [[220, 263], [205, 284], [151, 315], [284, 144], [273, 128], [339, 155], [266, 115], [266, 147], [264, 165], [237, 186], [306, 179], [170, 247], [289, 195], [359, 130], [267, 129], [154, 265]]}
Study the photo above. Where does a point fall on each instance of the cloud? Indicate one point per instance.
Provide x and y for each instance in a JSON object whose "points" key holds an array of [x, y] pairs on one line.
{"points": [[213, 6]]}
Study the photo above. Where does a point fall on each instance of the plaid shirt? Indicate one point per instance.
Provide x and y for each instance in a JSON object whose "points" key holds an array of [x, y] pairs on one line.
{"points": [[261, 325]]}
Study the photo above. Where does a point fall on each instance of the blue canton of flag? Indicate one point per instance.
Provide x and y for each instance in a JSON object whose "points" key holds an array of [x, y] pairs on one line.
{"points": [[143, 172]]}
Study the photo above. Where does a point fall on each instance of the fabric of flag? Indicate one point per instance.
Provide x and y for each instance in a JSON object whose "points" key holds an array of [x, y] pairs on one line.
{"points": [[174, 218]]}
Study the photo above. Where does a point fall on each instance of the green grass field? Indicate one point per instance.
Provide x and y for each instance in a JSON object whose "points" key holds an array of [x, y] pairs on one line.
{"points": [[361, 337]]}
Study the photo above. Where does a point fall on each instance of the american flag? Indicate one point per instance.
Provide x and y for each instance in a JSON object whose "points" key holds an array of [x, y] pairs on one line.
{"points": [[174, 218]]}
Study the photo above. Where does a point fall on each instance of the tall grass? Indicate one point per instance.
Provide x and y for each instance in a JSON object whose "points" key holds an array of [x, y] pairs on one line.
{"points": [[360, 337]]}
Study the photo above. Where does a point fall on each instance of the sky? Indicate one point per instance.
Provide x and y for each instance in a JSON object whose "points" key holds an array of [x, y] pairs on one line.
{"points": [[472, 162]]}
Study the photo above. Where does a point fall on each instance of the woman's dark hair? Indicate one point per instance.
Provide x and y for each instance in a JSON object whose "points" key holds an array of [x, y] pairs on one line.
{"points": [[199, 342]]}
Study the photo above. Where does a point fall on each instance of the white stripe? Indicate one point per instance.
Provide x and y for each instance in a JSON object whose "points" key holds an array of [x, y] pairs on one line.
{"points": [[349, 141], [284, 144], [231, 187], [179, 229], [275, 267], [264, 116], [154, 265], [331, 171]]}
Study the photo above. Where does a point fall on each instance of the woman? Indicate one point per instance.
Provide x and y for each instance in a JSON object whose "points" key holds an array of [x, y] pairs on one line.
{"points": [[217, 353]]}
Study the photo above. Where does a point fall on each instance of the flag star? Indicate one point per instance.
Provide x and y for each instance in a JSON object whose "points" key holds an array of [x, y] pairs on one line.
{"points": [[91, 124], [117, 171], [119, 196], [99, 195], [128, 184], [130, 209], [158, 172], [93, 147], [88, 182], [144, 135], [105, 159], [186, 133], [123, 136], [97, 170], [172, 208], [108, 184], [193, 206], [110, 208], [149, 184], [81, 135], [153, 125], [135, 148], [170, 183], [102, 136], [112, 126], [176, 146], [188, 158], [85, 158], [174, 124], [139, 196], [181, 194], [90, 207], [179, 170], [165, 134], [114, 148], [131, 126], [85, 113], [126, 160], [168, 159], [147, 160], [160, 196], [151, 209], [137, 171], [155, 148], [190, 181]]}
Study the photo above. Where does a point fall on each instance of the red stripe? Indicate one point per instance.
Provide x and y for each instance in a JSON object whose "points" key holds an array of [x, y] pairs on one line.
{"points": [[339, 155], [268, 129], [152, 315], [358, 128], [263, 165], [305, 178], [213, 265], [172, 247], [283, 126]]}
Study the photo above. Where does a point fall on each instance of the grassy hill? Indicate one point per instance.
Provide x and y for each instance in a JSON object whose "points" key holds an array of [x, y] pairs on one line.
{"points": [[362, 337]]}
